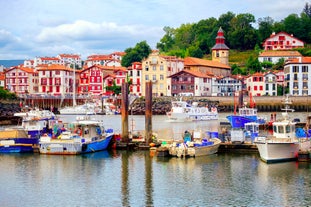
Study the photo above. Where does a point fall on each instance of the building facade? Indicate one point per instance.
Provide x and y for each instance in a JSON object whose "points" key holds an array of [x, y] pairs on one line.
{"points": [[298, 76], [156, 68], [282, 41], [275, 56]]}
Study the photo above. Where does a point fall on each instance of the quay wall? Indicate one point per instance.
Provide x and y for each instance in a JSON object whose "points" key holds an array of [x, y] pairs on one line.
{"points": [[160, 105]]}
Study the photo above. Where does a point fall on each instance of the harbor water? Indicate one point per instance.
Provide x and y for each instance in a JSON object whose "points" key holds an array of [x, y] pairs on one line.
{"points": [[139, 178]]}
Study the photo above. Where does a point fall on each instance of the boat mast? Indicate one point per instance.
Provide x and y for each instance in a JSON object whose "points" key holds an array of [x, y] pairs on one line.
{"points": [[74, 86]]}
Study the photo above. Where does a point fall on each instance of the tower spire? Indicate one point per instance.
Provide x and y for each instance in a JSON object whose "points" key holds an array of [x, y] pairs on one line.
{"points": [[220, 51]]}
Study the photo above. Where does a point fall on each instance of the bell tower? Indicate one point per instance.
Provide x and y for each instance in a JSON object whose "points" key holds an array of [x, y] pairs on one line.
{"points": [[220, 51]]}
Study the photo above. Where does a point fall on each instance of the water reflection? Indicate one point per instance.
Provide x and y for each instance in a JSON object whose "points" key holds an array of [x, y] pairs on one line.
{"points": [[125, 178]]}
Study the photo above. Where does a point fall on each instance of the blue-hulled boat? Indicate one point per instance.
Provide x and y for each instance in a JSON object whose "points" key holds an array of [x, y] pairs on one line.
{"points": [[25, 138], [83, 136], [245, 115]]}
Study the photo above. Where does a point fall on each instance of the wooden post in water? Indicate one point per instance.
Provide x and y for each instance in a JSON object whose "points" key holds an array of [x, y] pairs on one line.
{"points": [[148, 113], [124, 113], [241, 103]]}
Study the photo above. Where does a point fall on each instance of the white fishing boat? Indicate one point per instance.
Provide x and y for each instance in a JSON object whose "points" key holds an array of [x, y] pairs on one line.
{"points": [[182, 111], [85, 109], [194, 145], [83, 136], [283, 144]]}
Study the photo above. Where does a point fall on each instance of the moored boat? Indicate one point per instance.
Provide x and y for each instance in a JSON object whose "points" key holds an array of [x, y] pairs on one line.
{"points": [[246, 114], [194, 145], [83, 136], [283, 144], [182, 111], [25, 138]]}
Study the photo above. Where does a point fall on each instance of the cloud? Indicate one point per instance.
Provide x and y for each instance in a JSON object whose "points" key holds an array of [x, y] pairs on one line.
{"points": [[106, 35], [84, 30], [7, 38]]}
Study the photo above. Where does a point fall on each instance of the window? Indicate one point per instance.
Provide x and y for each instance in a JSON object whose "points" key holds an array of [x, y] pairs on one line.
{"points": [[154, 67], [146, 77], [161, 77], [295, 69], [295, 76], [146, 68], [154, 77], [304, 69], [161, 67]]}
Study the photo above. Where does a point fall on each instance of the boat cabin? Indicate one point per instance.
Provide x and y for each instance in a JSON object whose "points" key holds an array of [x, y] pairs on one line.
{"points": [[284, 129]]}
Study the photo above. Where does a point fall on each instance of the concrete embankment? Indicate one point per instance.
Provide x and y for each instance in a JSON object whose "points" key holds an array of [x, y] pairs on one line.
{"points": [[225, 104], [161, 105]]}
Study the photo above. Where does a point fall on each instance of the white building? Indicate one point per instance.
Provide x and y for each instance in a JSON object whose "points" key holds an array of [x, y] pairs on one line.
{"points": [[226, 86], [275, 56], [270, 84], [298, 76], [282, 41]]}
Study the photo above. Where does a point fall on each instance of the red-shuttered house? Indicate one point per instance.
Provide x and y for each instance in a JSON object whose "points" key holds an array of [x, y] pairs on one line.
{"points": [[282, 41], [93, 80], [134, 74], [21, 80], [55, 79], [255, 84]]}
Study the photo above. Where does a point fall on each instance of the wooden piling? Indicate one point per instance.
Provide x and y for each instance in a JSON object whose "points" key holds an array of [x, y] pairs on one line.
{"points": [[124, 113], [148, 113]]}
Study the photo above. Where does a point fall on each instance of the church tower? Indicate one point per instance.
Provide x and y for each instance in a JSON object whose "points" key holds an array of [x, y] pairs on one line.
{"points": [[220, 51]]}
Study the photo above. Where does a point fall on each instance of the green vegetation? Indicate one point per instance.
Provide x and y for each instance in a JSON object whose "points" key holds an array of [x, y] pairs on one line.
{"points": [[136, 54], [6, 95], [243, 39]]}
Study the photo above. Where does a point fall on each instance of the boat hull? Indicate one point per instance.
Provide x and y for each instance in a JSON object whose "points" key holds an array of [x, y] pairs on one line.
{"points": [[61, 148], [16, 140], [237, 121], [99, 145], [277, 152], [195, 151]]}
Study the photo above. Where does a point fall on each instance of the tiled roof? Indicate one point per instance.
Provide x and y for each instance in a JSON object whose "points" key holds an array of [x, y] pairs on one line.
{"points": [[194, 73], [298, 60], [220, 47], [69, 56], [191, 61], [280, 53], [54, 67], [49, 58]]}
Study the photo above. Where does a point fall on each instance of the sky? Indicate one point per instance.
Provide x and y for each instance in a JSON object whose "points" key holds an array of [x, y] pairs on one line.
{"points": [[46, 28]]}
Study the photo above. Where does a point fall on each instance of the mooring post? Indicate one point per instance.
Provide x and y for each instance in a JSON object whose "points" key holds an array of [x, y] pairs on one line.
{"points": [[241, 102], [148, 113], [124, 113]]}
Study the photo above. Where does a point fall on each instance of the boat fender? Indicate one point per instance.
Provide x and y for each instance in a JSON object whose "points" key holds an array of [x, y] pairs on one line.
{"points": [[300, 132], [98, 131]]}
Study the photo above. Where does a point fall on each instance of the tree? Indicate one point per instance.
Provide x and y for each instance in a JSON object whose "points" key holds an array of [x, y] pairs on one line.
{"points": [[167, 41], [307, 10], [265, 28], [253, 65], [267, 64], [292, 25], [279, 65], [236, 70], [194, 51], [136, 54], [114, 88], [242, 35]]}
